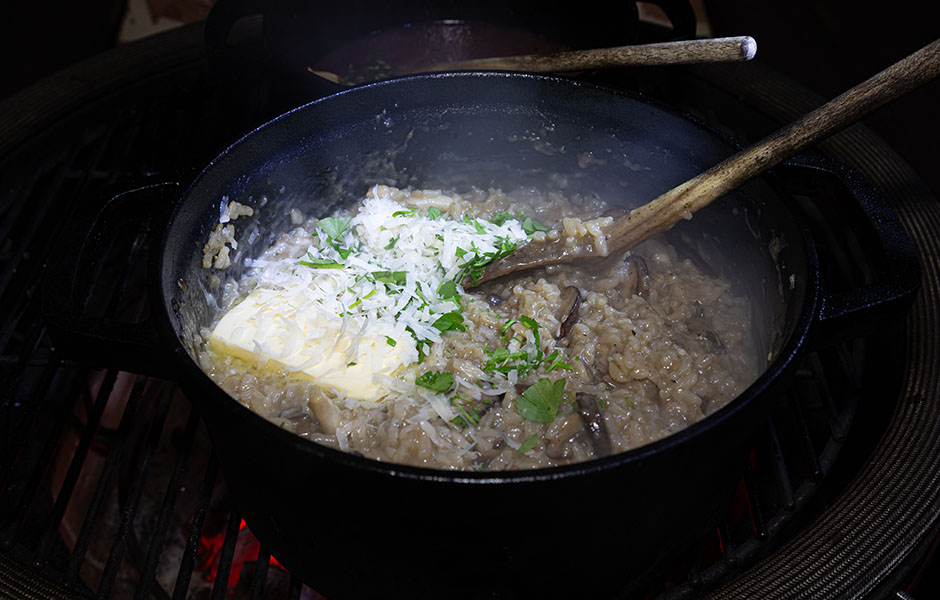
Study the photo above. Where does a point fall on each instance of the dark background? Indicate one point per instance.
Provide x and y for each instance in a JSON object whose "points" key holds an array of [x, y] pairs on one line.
{"points": [[827, 45]]}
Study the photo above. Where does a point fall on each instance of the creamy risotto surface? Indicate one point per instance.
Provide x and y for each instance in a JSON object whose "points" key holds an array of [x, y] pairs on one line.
{"points": [[356, 331]]}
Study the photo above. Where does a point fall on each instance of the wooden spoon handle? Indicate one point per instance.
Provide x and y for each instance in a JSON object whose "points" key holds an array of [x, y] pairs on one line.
{"points": [[683, 200], [680, 202], [666, 53]]}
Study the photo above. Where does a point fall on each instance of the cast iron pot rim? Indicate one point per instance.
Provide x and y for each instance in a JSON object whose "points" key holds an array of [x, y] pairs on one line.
{"points": [[199, 386]]}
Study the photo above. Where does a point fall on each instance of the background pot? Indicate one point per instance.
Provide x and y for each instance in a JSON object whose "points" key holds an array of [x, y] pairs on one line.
{"points": [[351, 526]]}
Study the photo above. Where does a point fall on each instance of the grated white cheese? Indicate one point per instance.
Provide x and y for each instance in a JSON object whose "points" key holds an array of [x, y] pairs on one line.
{"points": [[356, 311]]}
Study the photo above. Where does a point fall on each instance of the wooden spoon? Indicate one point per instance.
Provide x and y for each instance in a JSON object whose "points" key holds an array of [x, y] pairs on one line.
{"points": [[741, 48], [680, 202]]}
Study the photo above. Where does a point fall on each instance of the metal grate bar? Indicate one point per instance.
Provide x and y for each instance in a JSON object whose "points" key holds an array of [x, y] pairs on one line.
{"points": [[779, 465], [133, 499], [169, 501], [14, 203], [261, 574], [728, 550], [226, 556], [188, 562], [755, 503], [837, 427], [42, 196], [75, 467], [296, 588], [128, 419], [805, 438], [35, 466], [18, 432]]}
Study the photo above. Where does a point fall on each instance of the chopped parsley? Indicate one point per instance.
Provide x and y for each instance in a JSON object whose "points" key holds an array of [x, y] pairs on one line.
{"points": [[474, 267], [396, 277], [504, 330], [555, 362], [467, 416], [529, 225], [334, 227], [449, 321], [436, 381], [448, 291], [321, 263], [541, 400], [529, 444]]}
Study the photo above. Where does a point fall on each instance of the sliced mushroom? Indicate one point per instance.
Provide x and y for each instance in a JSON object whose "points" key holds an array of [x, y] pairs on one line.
{"points": [[568, 313], [638, 275], [699, 327], [558, 446], [594, 423]]}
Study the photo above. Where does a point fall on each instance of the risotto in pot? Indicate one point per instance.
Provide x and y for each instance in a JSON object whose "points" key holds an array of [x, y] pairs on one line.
{"points": [[355, 331]]}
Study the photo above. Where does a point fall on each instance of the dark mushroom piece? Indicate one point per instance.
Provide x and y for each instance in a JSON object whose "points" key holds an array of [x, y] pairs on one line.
{"points": [[638, 274], [593, 423], [568, 314], [699, 327], [558, 446]]}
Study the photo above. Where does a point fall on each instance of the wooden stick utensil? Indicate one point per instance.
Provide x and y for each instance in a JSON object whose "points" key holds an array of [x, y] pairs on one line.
{"points": [[682, 201], [729, 49]]}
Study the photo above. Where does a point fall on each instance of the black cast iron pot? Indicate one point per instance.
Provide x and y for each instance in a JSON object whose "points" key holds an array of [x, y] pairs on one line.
{"points": [[352, 527]]}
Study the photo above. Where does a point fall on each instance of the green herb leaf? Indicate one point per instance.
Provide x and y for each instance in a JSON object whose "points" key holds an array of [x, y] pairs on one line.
{"points": [[629, 401], [321, 263], [436, 381], [396, 277], [403, 213], [541, 400], [501, 217], [390, 341], [391, 243], [475, 265], [434, 213], [334, 227], [505, 328], [529, 444], [448, 291], [448, 321], [529, 322], [555, 362], [529, 226]]}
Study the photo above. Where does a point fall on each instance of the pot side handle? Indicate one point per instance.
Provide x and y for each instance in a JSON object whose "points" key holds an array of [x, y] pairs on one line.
{"points": [[70, 278], [886, 295]]}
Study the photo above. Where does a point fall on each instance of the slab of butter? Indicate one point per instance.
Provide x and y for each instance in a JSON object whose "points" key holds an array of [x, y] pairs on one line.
{"points": [[279, 331]]}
